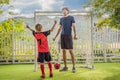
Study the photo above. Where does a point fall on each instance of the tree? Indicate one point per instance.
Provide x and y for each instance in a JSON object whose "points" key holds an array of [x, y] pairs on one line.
{"points": [[2, 2], [108, 12], [7, 29]]}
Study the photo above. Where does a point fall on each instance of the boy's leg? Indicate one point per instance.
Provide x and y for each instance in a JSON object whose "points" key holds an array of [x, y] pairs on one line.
{"points": [[42, 70], [73, 59], [48, 59], [41, 60], [50, 68]]}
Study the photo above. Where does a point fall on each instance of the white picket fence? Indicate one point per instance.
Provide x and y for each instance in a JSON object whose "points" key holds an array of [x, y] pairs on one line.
{"points": [[22, 48]]}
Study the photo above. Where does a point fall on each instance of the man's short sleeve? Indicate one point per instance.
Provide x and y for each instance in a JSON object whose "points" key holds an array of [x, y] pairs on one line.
{"points": [[73, 20], [61, 21], [46, 33]]}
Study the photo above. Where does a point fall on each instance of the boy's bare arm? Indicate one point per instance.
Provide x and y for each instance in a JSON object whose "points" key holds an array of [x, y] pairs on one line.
{"points": [[55, 22], [59, 29], [27, 26]]}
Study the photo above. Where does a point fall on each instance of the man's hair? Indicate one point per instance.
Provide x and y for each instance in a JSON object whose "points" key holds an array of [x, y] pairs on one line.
{"points": [[66, 8], [38, 27]]}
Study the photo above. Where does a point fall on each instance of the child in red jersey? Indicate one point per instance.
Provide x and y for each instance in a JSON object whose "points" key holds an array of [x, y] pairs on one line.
{"points": [[43, 48]]}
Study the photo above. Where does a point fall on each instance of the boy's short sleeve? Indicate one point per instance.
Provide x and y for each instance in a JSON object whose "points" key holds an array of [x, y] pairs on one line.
{"points": [[33, 32], [73, 20], [46, 33]]}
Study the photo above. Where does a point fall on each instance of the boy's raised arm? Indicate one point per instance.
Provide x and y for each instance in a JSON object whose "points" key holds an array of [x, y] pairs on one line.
{"points": [[27, 26], [55, 22]]}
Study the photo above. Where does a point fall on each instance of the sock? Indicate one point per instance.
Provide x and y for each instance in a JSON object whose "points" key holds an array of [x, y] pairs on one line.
{"points": [[50, 67], [42, 69]]}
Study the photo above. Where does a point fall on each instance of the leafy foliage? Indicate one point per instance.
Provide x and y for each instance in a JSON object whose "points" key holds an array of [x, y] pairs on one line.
{"points": [[108, 11], [7, 28], [12, 25], [4, 1]]}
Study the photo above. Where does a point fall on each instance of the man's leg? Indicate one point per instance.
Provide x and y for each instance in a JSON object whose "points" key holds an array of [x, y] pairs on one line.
{"points": [[65, 68], [73, 59], [64, 57]]}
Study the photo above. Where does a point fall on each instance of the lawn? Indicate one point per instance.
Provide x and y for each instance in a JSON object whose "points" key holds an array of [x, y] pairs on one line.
{"points": [[103, 71]]}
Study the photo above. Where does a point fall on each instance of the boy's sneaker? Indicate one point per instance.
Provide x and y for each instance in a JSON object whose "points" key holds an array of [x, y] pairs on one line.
{"points": [[42, 76], [51, 75], [73, 70], [64, 69]]}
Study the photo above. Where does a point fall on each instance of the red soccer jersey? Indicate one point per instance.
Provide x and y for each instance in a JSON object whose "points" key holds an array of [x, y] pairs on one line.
{"points": [[42, 41]]}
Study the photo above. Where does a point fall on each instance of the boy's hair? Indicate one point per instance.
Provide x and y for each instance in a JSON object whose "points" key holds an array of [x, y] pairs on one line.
{"points": [[38, 27], [66, 8]]}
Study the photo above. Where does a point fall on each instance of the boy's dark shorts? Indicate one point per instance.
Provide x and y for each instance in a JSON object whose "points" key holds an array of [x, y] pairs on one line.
{"points": [[66, 42], [44, 56]]}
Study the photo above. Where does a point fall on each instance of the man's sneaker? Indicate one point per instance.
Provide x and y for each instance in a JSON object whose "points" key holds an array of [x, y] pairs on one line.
{"points": [[73, 70], [51, 75], [64, 69]]}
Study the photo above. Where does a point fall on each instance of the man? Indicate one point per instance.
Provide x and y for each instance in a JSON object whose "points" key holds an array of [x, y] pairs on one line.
{"points": [[67, 22]]}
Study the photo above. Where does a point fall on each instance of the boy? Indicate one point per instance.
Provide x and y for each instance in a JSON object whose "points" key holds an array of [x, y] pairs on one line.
{"points": [[43, 49]]}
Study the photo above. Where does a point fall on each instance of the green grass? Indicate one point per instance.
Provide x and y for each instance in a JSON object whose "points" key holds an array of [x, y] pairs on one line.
{"points": [[103, 71]]}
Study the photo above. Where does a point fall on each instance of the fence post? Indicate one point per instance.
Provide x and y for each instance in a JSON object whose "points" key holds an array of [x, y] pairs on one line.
{"points": [[92, 50], [35, 48], [104, 45], [35, 54], [13, 57]]}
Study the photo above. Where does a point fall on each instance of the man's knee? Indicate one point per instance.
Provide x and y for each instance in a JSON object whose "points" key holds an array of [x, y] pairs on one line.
{"points": [[71, 51], [64, 51]]}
